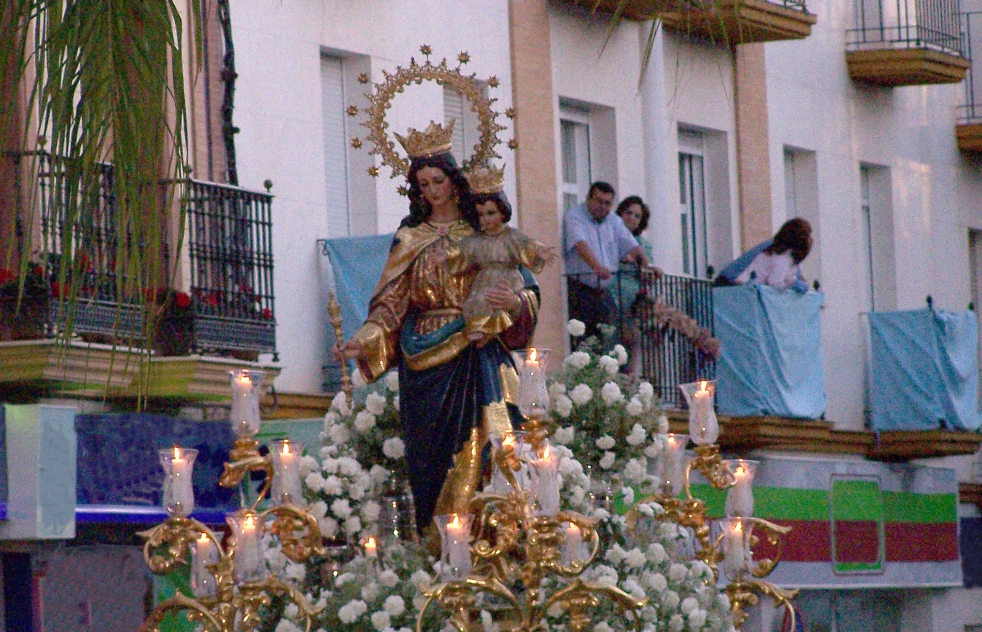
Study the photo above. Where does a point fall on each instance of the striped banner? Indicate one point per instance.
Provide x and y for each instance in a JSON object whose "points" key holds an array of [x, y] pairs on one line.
{"points": [[855, 523]]}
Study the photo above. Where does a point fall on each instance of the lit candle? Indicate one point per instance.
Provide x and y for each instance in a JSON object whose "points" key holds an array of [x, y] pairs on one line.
{"points": [[532, 364], [247, 551], [740, 497], [204, 553], [702, 422], [286, 471], [371, 548], [547, 482], [178, 466], [246, 387], [571, 549], [673, 454], [458, 553], [734, 554]]}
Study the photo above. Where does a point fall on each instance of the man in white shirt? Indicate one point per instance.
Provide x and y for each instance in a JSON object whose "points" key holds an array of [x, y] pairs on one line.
{"points": [[595, 242]]}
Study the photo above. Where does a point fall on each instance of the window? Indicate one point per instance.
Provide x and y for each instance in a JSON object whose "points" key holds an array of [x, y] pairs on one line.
{"points": [[574, 129], [335, 145], [878, 280], [466, 129], [692, 204], [801, 200]]}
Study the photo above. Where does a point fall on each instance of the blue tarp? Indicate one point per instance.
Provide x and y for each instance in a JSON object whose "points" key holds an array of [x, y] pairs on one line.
{"points": [[924, 371], [357, 263], [771, 352]]}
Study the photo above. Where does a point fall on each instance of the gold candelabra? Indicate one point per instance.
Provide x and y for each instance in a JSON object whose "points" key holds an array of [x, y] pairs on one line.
{"points": [[521, 536], [229, 579]]}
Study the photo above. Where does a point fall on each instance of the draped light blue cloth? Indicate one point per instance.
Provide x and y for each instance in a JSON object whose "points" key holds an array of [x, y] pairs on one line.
{"points": [[924, 371], [771, 352], [357, 263]]}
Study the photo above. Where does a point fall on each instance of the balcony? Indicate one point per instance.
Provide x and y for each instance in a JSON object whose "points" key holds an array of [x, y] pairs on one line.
{"points": [[729, 22], [968, 127], [907, 43], [222, 306]]}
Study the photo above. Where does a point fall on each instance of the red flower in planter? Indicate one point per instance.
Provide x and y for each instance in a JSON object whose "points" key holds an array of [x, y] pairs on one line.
{"points": [[267, 313], [6, 276], [59, 290], [182, 300]]}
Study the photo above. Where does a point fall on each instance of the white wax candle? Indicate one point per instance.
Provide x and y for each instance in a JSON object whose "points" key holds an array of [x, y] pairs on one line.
{"points": [[571, 549], [734, 557], [371, 548], [740, 497], [248, 550], [706, 429], [182, 490], [202, 580], [287, 471], [672, 472], [245, 406], [458, 554], [547, 483]]}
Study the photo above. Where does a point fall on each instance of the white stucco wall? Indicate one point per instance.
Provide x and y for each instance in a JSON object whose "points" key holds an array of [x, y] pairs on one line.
{"points": [[278, 46]]}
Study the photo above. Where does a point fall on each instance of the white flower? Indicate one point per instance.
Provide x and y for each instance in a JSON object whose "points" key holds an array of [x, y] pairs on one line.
{"points": [[308, 464], [421, 578], [635, 558], [556, 389], [317, 509], [697, 618], [370, 511], [609, 365], [381, 620], [688, 605], [388, 578], [332, 486], [364, 421], [662, 424], [635, 407], [564, 436], [328, 527], [395, 605], [578, 359], [352, 525], [357, 379], [575, 328], [339, 434], [670, 600], [605, 442], [395, 403], [285, 625], [603, 626], [611, 393], [633, 588], [656, 582], [620, 353], [351, 611], [331, 418], [392, 381], [677, 572], [314, 482], [394, 448], [340, 403], [343, 579], [615, 554], [607, 461], [676, 623], [581, 394], [628, 493], [341, 508], [656, 553], [379, 474], [637, 435], [295, 572], [635, 471], [562, 405], [646, 391], [375, 404], [348, 466]]}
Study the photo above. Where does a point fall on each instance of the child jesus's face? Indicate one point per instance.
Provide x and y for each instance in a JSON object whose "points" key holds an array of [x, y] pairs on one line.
{"points": [[490, 218]]}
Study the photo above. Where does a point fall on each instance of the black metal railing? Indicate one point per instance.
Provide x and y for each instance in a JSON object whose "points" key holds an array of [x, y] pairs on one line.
{"points": [[927, 24], [971, 109], [668, 356], [229, 244]]}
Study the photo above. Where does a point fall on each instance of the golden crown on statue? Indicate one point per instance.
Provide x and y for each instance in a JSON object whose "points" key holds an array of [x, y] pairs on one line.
{"points": [[435, 139], [486, 180]]}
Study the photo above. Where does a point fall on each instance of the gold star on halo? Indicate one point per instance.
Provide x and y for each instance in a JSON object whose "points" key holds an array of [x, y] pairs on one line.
{"points": [[513, 144], [493, 81], [373, 171], [352, 110], [363, 78], [463, 57], [403, 191], [510, 113], [426, 50], [356, 142]]}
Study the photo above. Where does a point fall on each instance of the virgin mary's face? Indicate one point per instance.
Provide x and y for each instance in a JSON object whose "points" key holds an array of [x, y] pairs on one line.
{"points": [[437, 188]]}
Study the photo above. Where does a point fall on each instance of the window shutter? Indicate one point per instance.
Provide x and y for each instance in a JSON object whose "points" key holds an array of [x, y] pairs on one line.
{"points": [[335, 145]]}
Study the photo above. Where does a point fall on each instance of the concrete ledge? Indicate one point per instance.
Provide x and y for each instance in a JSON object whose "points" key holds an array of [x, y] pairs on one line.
{"points": [[906, 67]]}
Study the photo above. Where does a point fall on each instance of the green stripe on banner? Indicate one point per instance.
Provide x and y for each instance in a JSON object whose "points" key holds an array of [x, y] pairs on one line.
{"points": [[919, 508], [715, 499], [857, 499], [782, 503]]}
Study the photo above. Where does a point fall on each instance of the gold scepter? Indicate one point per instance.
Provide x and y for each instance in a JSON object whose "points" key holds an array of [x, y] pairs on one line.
{"points": [[334, 311]]}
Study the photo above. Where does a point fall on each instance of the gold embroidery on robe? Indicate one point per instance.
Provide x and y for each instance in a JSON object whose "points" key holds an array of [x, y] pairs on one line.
{"points": [[508, 377], [464, 477]]}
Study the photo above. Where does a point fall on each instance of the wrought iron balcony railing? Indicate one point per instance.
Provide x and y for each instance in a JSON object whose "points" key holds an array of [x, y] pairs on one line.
{"points": [[904, 24], [970, 112], [672, 319]]}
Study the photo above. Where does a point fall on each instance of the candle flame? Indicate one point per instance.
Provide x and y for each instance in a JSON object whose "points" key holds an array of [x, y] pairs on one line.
{"points": [[533, 354], [671, 439], [250, 522], [702, 385], [203, 538], [455, 521], [546, 454], [370, 543], [286, 447], [738, 526], [177, 453], [740, 471]]}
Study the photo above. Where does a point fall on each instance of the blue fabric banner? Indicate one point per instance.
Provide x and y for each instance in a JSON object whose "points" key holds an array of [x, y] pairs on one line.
{"points": [[771, 352], [924, 370], [357, 263]]}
